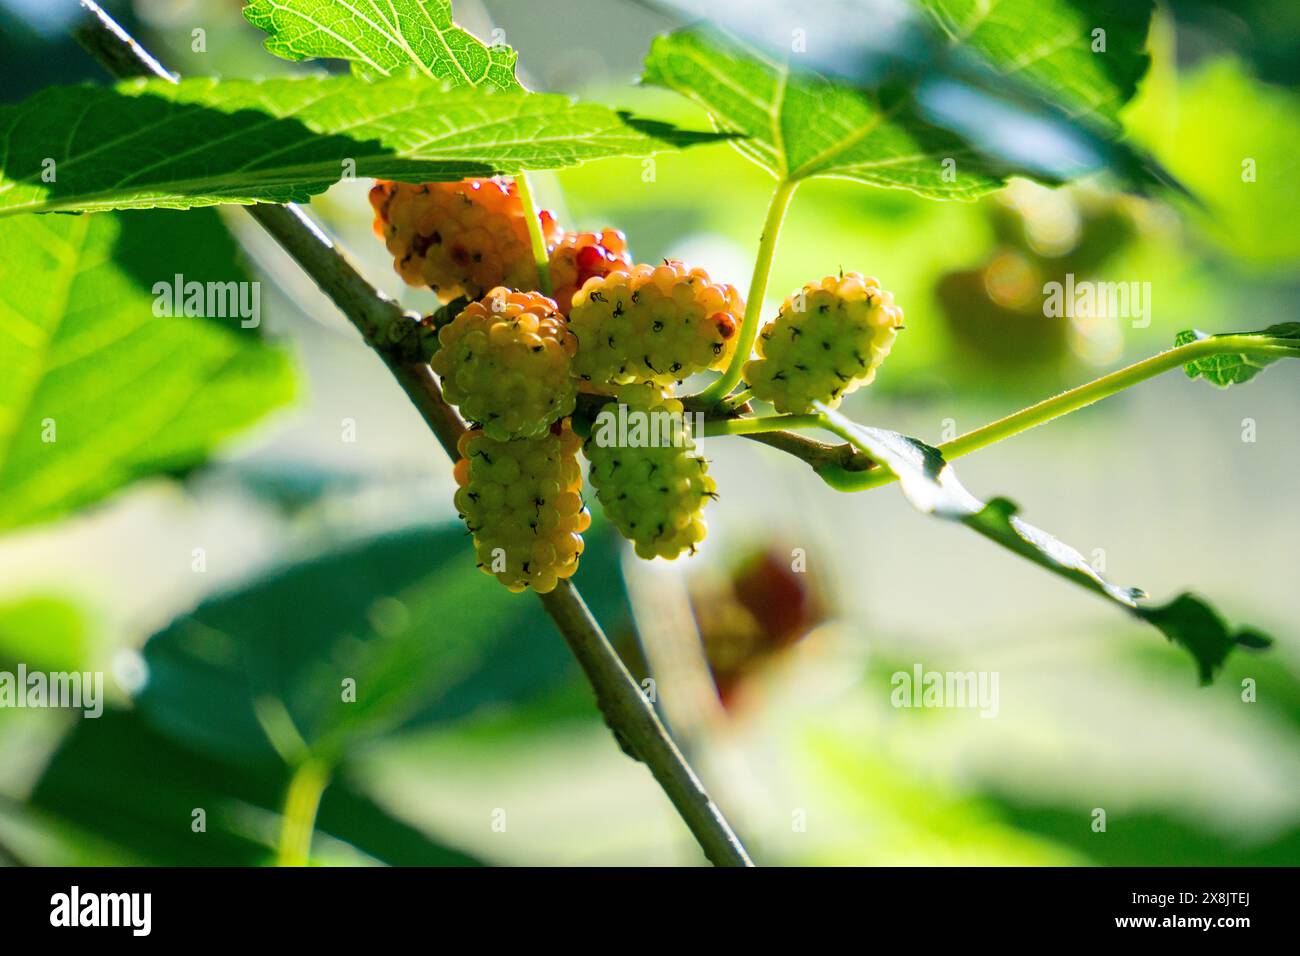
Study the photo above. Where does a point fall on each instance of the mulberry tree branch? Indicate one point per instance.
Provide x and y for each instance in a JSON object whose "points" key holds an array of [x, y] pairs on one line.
{"points": [[393, 334], [845, 468]]}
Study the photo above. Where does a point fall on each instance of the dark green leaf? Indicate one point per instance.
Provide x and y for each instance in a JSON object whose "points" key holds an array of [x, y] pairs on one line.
{"points": [[117, 778], [425, 636], [146, 143], [1191, 623]]}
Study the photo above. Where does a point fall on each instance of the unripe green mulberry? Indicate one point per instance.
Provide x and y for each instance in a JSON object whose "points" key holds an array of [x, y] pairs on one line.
{"points": [[522, 502], [827, 341], [505, 361], [650, 480], [653, 324]]}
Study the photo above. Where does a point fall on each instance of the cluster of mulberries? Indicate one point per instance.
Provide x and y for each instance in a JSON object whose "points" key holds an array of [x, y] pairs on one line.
{"points": [[522, 502], [828, 340], [654, 324], [514, 361], [648, 476]]}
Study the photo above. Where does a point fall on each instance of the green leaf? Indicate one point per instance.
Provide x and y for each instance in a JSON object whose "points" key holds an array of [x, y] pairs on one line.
{"points": [[423, 634], [798, 124], [384, 39], [1049, 45], [117, 778], [1187, 621], [1234, 368], [31, 837], [97, 391], [146, 143], [1192, 624], [1243, 162], [997, 521], [980, 91], [931, 485]]}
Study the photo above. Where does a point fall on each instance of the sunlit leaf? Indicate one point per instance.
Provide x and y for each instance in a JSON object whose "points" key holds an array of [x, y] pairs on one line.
{"points": [[96, 388], [147, 143], [1235, 368], [797, 124], [946, 104], [1088, 55], [384, 38], [45, 632], [1244, 163]]}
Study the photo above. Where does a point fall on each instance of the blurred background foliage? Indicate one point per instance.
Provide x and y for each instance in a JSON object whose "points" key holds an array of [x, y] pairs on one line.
{"points": [[328, 559]]}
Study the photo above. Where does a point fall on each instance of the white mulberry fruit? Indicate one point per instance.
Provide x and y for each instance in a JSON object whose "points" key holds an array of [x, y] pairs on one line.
{"points": [[650, 480], [505, 361], [828, 340], [653, 324], [522, 502]]}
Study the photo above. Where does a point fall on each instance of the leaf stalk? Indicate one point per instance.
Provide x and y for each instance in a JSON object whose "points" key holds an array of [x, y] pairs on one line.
{"points": [[845, 470]]}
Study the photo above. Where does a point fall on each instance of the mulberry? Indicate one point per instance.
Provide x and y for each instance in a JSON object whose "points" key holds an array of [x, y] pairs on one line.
{"points": [[650, 480], [579, 256], [522, 502], [827, 341], [653, 324], [459, 238], [505, 361]]}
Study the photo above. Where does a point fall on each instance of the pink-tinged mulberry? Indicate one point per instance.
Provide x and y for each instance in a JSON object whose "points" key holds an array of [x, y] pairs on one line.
{"points": [[653, 324], [459, 238], [505, 361], [579, 256], [522, 502]]}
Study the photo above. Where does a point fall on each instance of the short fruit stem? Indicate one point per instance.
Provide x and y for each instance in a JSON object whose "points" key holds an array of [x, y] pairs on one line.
{"points": [[759, 426], [540, 253], [720, 388]]}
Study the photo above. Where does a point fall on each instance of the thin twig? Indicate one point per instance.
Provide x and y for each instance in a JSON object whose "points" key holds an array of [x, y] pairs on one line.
{"points": [[392, 333], [637, 725], [845, 468], [835, 463]]}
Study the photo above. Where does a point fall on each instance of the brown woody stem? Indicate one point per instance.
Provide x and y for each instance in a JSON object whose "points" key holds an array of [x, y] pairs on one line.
{"points": [[392, 333]]}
